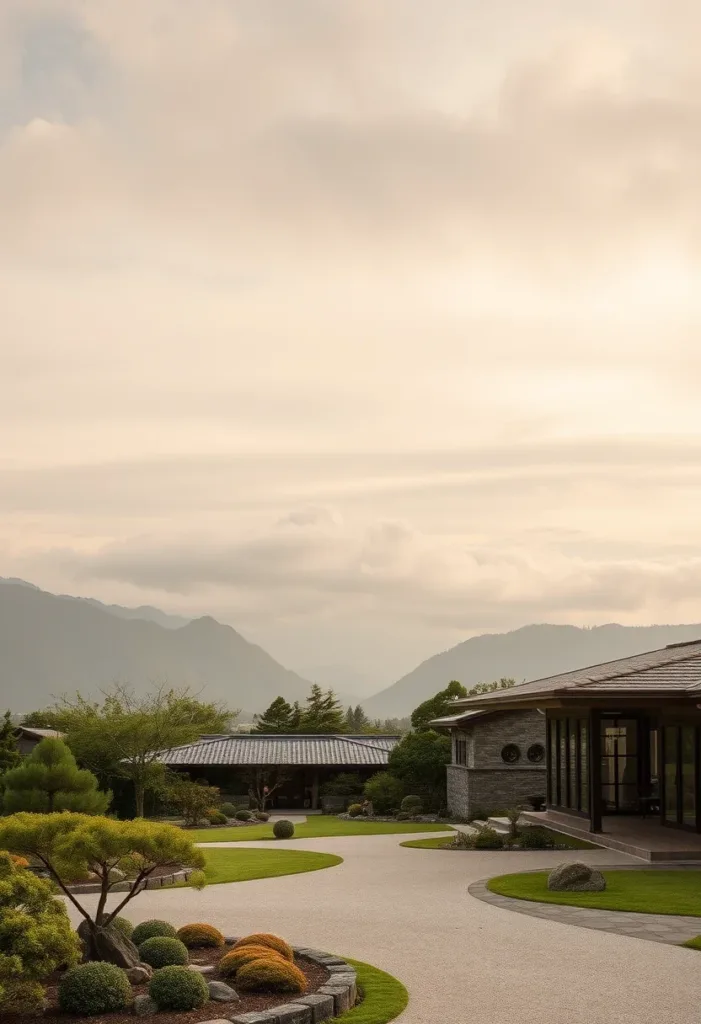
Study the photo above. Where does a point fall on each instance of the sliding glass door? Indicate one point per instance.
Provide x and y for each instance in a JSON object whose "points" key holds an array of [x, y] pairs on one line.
{"points": [[680, 756], [620, 765]]}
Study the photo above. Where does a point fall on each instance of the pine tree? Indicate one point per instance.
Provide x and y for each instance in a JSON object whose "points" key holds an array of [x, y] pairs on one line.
{"points": [[50, 780], [9, 754], [277, 719], [361, 722], [350, 719], [323, 713]]}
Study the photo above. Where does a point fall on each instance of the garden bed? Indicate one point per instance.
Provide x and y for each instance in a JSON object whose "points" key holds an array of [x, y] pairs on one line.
{"points": [[316, 975]]}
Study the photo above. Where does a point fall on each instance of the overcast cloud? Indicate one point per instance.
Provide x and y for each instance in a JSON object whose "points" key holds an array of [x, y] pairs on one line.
{"points": [[363, 327]]}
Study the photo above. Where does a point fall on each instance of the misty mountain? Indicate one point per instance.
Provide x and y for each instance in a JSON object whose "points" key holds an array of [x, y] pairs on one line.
{"points": [[531, 652], [52, 645]]}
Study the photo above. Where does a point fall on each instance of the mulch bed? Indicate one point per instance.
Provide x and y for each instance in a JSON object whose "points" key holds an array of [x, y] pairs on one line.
{"points": [[316, 977]]}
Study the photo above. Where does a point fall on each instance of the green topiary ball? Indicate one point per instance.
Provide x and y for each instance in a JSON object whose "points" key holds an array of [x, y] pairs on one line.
{"points": [[149, 929], [216, 817], [262, 815], [123, 925], [411, 804], [228, 809], [243, 815], [283, 829], [178, 988], [163, 951], [94, 988], [355, 810]]}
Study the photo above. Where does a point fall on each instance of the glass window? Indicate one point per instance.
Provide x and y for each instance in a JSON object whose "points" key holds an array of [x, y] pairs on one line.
{"points": [[583, 765], [688, 758], [554, 794], [671, 785], [564, 798], [573, 787]]}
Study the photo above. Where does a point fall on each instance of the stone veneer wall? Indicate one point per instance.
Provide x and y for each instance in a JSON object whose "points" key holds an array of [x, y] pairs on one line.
{"points": [[487, 783]]}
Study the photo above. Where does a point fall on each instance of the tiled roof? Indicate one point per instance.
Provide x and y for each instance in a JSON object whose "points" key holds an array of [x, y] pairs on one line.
{"points": [[39, 734], [447, 720], [675, 669], [241, 749]]}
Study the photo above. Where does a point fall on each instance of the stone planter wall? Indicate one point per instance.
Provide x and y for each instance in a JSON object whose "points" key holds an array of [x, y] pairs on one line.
{"points": [[151, 883]]}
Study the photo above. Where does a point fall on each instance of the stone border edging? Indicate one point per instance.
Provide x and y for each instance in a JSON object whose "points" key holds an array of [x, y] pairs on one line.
{"points": [[336, 996], [671, 929], [151, 883]]}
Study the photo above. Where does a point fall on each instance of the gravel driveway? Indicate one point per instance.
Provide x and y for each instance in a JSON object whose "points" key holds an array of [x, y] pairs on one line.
{"points": [[408, 911]]}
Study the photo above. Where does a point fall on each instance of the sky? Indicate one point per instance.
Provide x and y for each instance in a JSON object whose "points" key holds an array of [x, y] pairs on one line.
{"points": [[362, 327]]}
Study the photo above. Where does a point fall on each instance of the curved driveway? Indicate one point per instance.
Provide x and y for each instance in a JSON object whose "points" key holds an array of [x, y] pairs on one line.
{"points": [[409, 912]]}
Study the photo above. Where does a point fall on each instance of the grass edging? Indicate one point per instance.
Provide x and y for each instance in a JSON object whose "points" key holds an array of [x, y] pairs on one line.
{"points": [[384, 996], [566, 843], [437, 843], [321, 827], [227, 864]]}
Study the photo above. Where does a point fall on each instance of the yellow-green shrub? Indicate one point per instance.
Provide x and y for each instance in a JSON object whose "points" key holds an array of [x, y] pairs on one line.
{"points": [[230, 962], [200, 935], [265, 939], [271, 975]]}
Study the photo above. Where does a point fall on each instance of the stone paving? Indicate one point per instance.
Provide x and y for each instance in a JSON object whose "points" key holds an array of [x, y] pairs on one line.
{"points": [[669, 928], [409, 912]]}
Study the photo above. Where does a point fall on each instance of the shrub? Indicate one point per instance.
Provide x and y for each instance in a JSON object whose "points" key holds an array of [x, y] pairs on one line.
{"points": [[230, 963], [228, 809], [384, 791], [178, 988], [243, 815], [535, 838], [215, 817], [94, 988], [123, 925], [269, 941], [412, 804], [488, 839], [35, 938], [513, 814], [19, 862], [270, 975], [163, 951], [199, 936], [150, 929], [50, 780], [262, 815], [283, 829], [355, 810], [403, 816]]}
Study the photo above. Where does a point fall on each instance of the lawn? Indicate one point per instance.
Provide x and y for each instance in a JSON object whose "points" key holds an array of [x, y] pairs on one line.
{"points": [[316, 827], [443, 842], [227, 865], [645, 892], [384, 997]]}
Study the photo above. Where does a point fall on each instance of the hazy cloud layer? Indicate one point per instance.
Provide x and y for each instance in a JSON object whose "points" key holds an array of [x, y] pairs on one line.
{"points": [[363, 326]]}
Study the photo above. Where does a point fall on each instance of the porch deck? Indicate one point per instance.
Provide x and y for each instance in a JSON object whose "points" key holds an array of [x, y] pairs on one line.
{"points": [[645, 838]]}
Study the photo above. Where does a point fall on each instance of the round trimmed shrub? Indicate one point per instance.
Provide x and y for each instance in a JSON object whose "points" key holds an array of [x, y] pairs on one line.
{"points": [[262, 815], [230, 963], [94, 988], [215, 817], [163, 951], [488, 839], [200, 936], [270, 975], [228, 809], [533, 837], [123, 925], [243, 815], [403, 816], [178, 988], [355, 810], [283, 829], [412, 804], [149, 929], [268, 940]]}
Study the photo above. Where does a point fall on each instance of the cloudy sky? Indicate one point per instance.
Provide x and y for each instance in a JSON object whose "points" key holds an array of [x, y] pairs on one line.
{"points": [[364, 327]]}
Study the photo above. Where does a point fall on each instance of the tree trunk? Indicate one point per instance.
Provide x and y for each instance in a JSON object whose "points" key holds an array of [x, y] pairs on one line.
{"points": [[139, 795], [107, 944]]}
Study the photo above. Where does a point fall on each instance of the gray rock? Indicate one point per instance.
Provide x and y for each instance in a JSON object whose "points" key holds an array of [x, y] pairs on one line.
{"points": [[258, 1017], [107, 944], [202, 968], [322, 1006], [140, 974], [575, 877], [221, 992], [144, 1006], [293, 1013], [341, 997]]}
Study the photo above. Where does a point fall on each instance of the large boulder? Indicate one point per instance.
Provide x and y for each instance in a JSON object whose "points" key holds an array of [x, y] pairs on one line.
{"points": [[575, 877], [108, 944]]}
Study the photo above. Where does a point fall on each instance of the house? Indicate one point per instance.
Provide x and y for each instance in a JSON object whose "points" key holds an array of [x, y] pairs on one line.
{"points": [[623, 748], [28, 737], [498, 759], [305, 762]]}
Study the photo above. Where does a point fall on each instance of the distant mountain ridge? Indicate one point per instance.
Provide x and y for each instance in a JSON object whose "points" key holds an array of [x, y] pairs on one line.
{"points": [[51, 645], [531, 652]]}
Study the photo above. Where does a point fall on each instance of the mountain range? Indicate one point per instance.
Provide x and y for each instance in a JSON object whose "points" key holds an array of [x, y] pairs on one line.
{"points": [[50, 645]]}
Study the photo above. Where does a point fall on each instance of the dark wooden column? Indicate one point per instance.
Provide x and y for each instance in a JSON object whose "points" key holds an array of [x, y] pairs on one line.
{"points": [[595, 802], [315, 790]]}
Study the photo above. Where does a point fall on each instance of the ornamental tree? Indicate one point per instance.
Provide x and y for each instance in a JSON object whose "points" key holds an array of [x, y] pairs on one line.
{"points": [[192, 799], [419, 761], [35, 937], [50, 780], [9, 752], [70, 846]]}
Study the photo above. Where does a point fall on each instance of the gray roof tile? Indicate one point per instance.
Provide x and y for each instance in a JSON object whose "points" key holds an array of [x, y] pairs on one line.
{"points": [[253, 749]]}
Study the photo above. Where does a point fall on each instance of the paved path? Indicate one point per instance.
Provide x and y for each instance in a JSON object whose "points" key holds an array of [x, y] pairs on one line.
{"points": [[409, 912], [670, 928]]}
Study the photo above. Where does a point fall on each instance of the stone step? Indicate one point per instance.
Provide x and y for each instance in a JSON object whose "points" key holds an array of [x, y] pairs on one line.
{"points": [[500, 825]]}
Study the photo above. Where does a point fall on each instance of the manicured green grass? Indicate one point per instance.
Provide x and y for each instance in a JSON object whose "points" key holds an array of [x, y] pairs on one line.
{"points": [[645, 892], [444, 842], [228, 865], [384, 997], [693, 943], [316, 827]]}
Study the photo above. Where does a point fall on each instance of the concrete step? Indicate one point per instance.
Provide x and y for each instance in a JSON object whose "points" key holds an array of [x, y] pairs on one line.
{"points": [[500, 825]]}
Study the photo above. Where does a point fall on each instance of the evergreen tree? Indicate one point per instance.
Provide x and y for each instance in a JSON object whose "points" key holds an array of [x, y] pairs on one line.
{"points": [[277, 719], [350, 719], [437, 706], [296, 719], [361, 722], [50, 780], [323, 713], [9, 754]]}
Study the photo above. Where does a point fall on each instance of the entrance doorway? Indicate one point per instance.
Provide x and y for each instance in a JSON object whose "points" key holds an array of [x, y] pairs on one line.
{"points": [[620, 765]]}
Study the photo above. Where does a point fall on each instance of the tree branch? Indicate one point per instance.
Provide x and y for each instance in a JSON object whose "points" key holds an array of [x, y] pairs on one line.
{"points": [[61, 886], [143, 874]]}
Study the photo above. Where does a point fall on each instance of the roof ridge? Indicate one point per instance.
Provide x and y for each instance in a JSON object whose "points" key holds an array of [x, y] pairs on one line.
{"points": [[687, 656]]}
